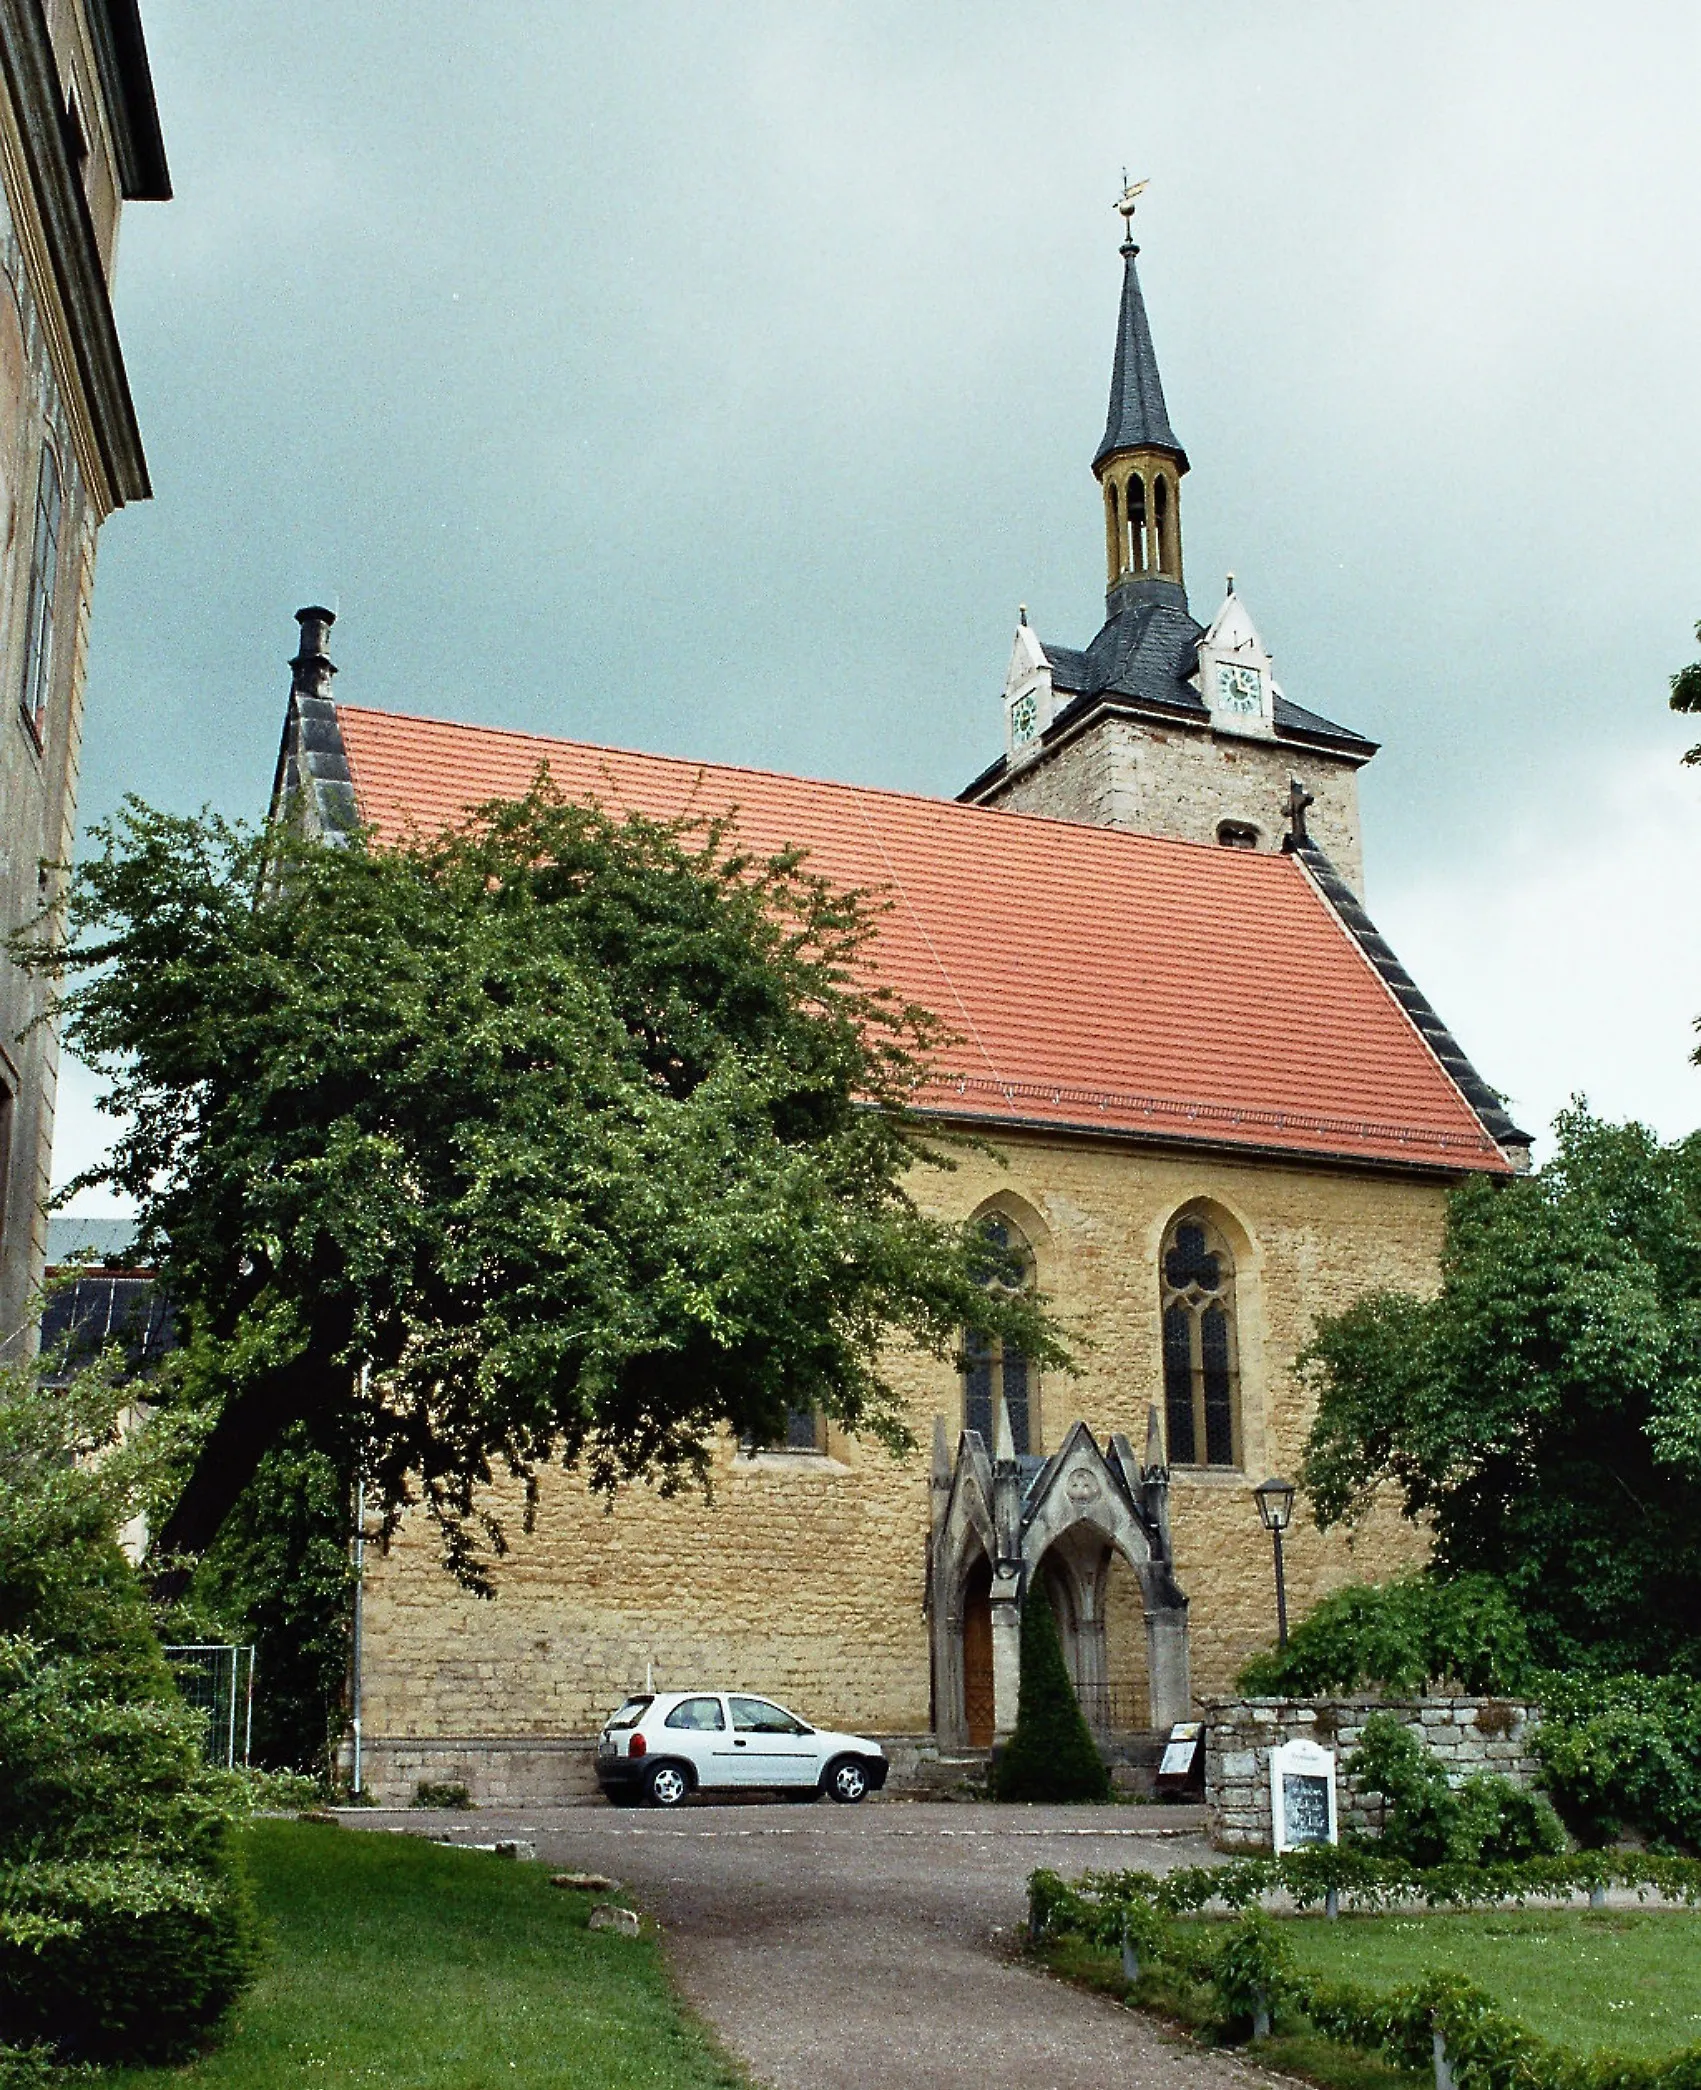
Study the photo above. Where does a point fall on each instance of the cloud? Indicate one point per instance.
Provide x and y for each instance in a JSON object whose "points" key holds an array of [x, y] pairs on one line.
{"points": [[1566, 952]]}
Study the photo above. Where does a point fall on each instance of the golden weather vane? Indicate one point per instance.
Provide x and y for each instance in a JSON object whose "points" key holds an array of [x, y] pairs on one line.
{"points": [[1127, 202]]}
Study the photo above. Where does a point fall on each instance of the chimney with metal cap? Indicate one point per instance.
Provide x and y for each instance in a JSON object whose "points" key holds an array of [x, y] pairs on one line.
{"points": [[313, 666]]}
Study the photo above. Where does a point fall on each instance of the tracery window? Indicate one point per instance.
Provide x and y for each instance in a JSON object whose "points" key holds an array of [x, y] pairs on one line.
{"points": [[1201, 1347], [992, 1368]]}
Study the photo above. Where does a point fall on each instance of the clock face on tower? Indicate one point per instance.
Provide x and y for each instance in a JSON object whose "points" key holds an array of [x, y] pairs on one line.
{"points": [[1240, 690], [1024, 719]]}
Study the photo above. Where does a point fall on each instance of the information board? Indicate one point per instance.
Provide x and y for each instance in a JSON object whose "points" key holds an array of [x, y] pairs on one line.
{"points": [[1181, 1748], [1302, 1795]]}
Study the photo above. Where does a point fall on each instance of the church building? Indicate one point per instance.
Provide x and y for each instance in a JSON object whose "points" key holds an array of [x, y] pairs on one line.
{"points": [[1212, 1106]]}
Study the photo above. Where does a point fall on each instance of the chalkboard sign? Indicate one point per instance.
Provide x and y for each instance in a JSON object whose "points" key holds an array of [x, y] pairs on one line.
{"points": [[1305, 1810], [1302, 1795]]}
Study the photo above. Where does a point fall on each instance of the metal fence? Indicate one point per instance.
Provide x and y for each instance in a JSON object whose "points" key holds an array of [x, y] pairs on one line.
{"points": [[218, 1680], [1114, 1708]]}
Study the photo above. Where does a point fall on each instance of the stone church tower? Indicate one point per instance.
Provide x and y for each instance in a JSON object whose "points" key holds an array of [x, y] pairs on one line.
{"points": [[1162, 725]]}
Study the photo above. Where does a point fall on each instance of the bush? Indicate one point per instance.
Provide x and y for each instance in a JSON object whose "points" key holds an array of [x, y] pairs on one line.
{"points": [[448, 1792], [1051, 1755], [1624, 1752], [1404, 1635], [1486, 1820], [123, 1959], [125, 1931]]}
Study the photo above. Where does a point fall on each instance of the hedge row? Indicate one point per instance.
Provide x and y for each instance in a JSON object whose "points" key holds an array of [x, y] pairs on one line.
{"points": [[1362, 1878], [1442, 2020]]}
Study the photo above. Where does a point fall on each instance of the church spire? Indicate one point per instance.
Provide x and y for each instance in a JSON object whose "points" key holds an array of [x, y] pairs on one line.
{"points": [[1139, 463]]}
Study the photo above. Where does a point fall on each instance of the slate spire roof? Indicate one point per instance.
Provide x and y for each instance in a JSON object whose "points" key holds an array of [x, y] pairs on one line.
{"points": [[1138, 418]]}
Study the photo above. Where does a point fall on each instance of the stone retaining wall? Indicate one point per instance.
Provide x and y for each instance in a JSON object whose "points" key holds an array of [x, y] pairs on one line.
{"points": [[1467, 1734]]}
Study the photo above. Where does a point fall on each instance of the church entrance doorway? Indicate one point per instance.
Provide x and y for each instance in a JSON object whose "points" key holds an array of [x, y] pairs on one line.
{"points": [[979, 1716]]}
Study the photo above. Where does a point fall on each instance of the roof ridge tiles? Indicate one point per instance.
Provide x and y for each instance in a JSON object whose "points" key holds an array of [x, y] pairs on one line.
{"points": [[1002, 815]]}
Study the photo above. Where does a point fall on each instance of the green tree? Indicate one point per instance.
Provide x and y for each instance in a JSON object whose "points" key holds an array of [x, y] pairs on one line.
{"points": [[1686, 694], [280, 1575], [1052, 1754], [555, 1137], [1543, 1409]]}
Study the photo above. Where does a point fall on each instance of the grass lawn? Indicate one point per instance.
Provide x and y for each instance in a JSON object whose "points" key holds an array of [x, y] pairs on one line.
{"points": [[1625, 1979], [392, 1961], [1628, 1980]]}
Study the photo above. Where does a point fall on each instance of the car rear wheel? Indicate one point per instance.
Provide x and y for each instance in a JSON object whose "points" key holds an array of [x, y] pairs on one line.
{"points": [[667, 1784], [846, 1780]]}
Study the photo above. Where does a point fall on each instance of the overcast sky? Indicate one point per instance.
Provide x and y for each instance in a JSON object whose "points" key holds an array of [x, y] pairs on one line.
{"points": [[718, 380]]}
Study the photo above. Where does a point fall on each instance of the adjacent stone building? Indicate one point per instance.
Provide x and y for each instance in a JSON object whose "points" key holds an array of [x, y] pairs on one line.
{"points": [[1210, 1105], [79, 135]]}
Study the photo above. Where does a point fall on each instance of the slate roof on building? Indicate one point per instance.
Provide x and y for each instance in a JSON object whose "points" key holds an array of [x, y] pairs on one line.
{"points": [[1094, 980], [1140, 660]]}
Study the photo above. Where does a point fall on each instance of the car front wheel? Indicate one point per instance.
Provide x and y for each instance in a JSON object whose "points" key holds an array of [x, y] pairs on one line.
{"points": [[847, 1781], [667, 1785]]}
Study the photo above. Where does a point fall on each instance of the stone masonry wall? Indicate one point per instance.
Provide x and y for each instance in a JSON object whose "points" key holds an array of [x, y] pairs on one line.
{"points": [[1467, 1734], [1182, 782], [805, 1576]]}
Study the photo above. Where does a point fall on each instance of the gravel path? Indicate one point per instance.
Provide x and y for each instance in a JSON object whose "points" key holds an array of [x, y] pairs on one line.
{"points": [[859, 1947]]}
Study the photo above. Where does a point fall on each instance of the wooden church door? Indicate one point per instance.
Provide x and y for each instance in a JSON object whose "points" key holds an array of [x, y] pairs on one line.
{"points": [[978, 1709]]}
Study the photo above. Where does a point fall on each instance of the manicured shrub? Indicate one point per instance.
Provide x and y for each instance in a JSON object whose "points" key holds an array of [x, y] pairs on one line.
{"points": [[1052, 1754], [1406, 1635], [125, 1959], [1483, 1821], [125, 1931]]}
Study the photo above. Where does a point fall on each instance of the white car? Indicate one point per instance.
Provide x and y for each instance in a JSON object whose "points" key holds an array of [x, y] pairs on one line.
{"points": [[663, 1746]]}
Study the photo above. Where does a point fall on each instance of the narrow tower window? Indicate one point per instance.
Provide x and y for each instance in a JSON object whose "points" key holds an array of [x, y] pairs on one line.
{"points": [[992, 1368], [44, 576], [1136, 562], [1201, 1347], [1160, 513]]}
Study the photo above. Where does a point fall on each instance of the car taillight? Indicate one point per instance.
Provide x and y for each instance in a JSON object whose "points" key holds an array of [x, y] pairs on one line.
{"points": [[637, 1746]]}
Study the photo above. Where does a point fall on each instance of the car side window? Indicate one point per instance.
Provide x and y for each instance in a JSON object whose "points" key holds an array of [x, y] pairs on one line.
{"points": [[757, 1716], [702, 1715]]}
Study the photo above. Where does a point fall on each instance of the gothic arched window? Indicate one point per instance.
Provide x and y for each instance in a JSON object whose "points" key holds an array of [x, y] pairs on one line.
{"points": [[1201, 1347], [994, 1368], [1160, 514]]}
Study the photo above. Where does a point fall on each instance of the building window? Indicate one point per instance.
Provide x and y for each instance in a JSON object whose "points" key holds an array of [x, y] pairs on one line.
{"points": [[1201, 1347], [44, 580], [994, 1368], [805, 1431], [1237, 834]]}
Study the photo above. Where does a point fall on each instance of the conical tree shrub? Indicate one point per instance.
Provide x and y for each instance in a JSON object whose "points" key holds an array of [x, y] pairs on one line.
{"points": [[1052, 1754]]}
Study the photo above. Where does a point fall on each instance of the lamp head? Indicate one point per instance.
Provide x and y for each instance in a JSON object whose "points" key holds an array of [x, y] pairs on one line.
{"points": [[1275, 1503]]}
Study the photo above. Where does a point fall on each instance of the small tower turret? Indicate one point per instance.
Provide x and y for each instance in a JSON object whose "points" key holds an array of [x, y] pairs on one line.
{"points": [[1139, 463]]}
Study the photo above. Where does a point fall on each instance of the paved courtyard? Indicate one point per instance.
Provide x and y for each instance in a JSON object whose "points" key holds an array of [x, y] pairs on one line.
{"points": [[850, 1948]]}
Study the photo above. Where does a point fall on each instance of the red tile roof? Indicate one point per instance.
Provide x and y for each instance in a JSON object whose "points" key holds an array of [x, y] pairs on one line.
{"points": [[1113, 981]]}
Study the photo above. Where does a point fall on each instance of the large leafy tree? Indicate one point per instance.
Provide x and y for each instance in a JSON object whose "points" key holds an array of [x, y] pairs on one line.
{"points": [[554, 1137], [1543, 1409]]}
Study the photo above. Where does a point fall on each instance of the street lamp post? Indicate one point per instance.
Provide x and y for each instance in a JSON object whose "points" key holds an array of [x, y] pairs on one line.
{"points": [[1275, 1507]]}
